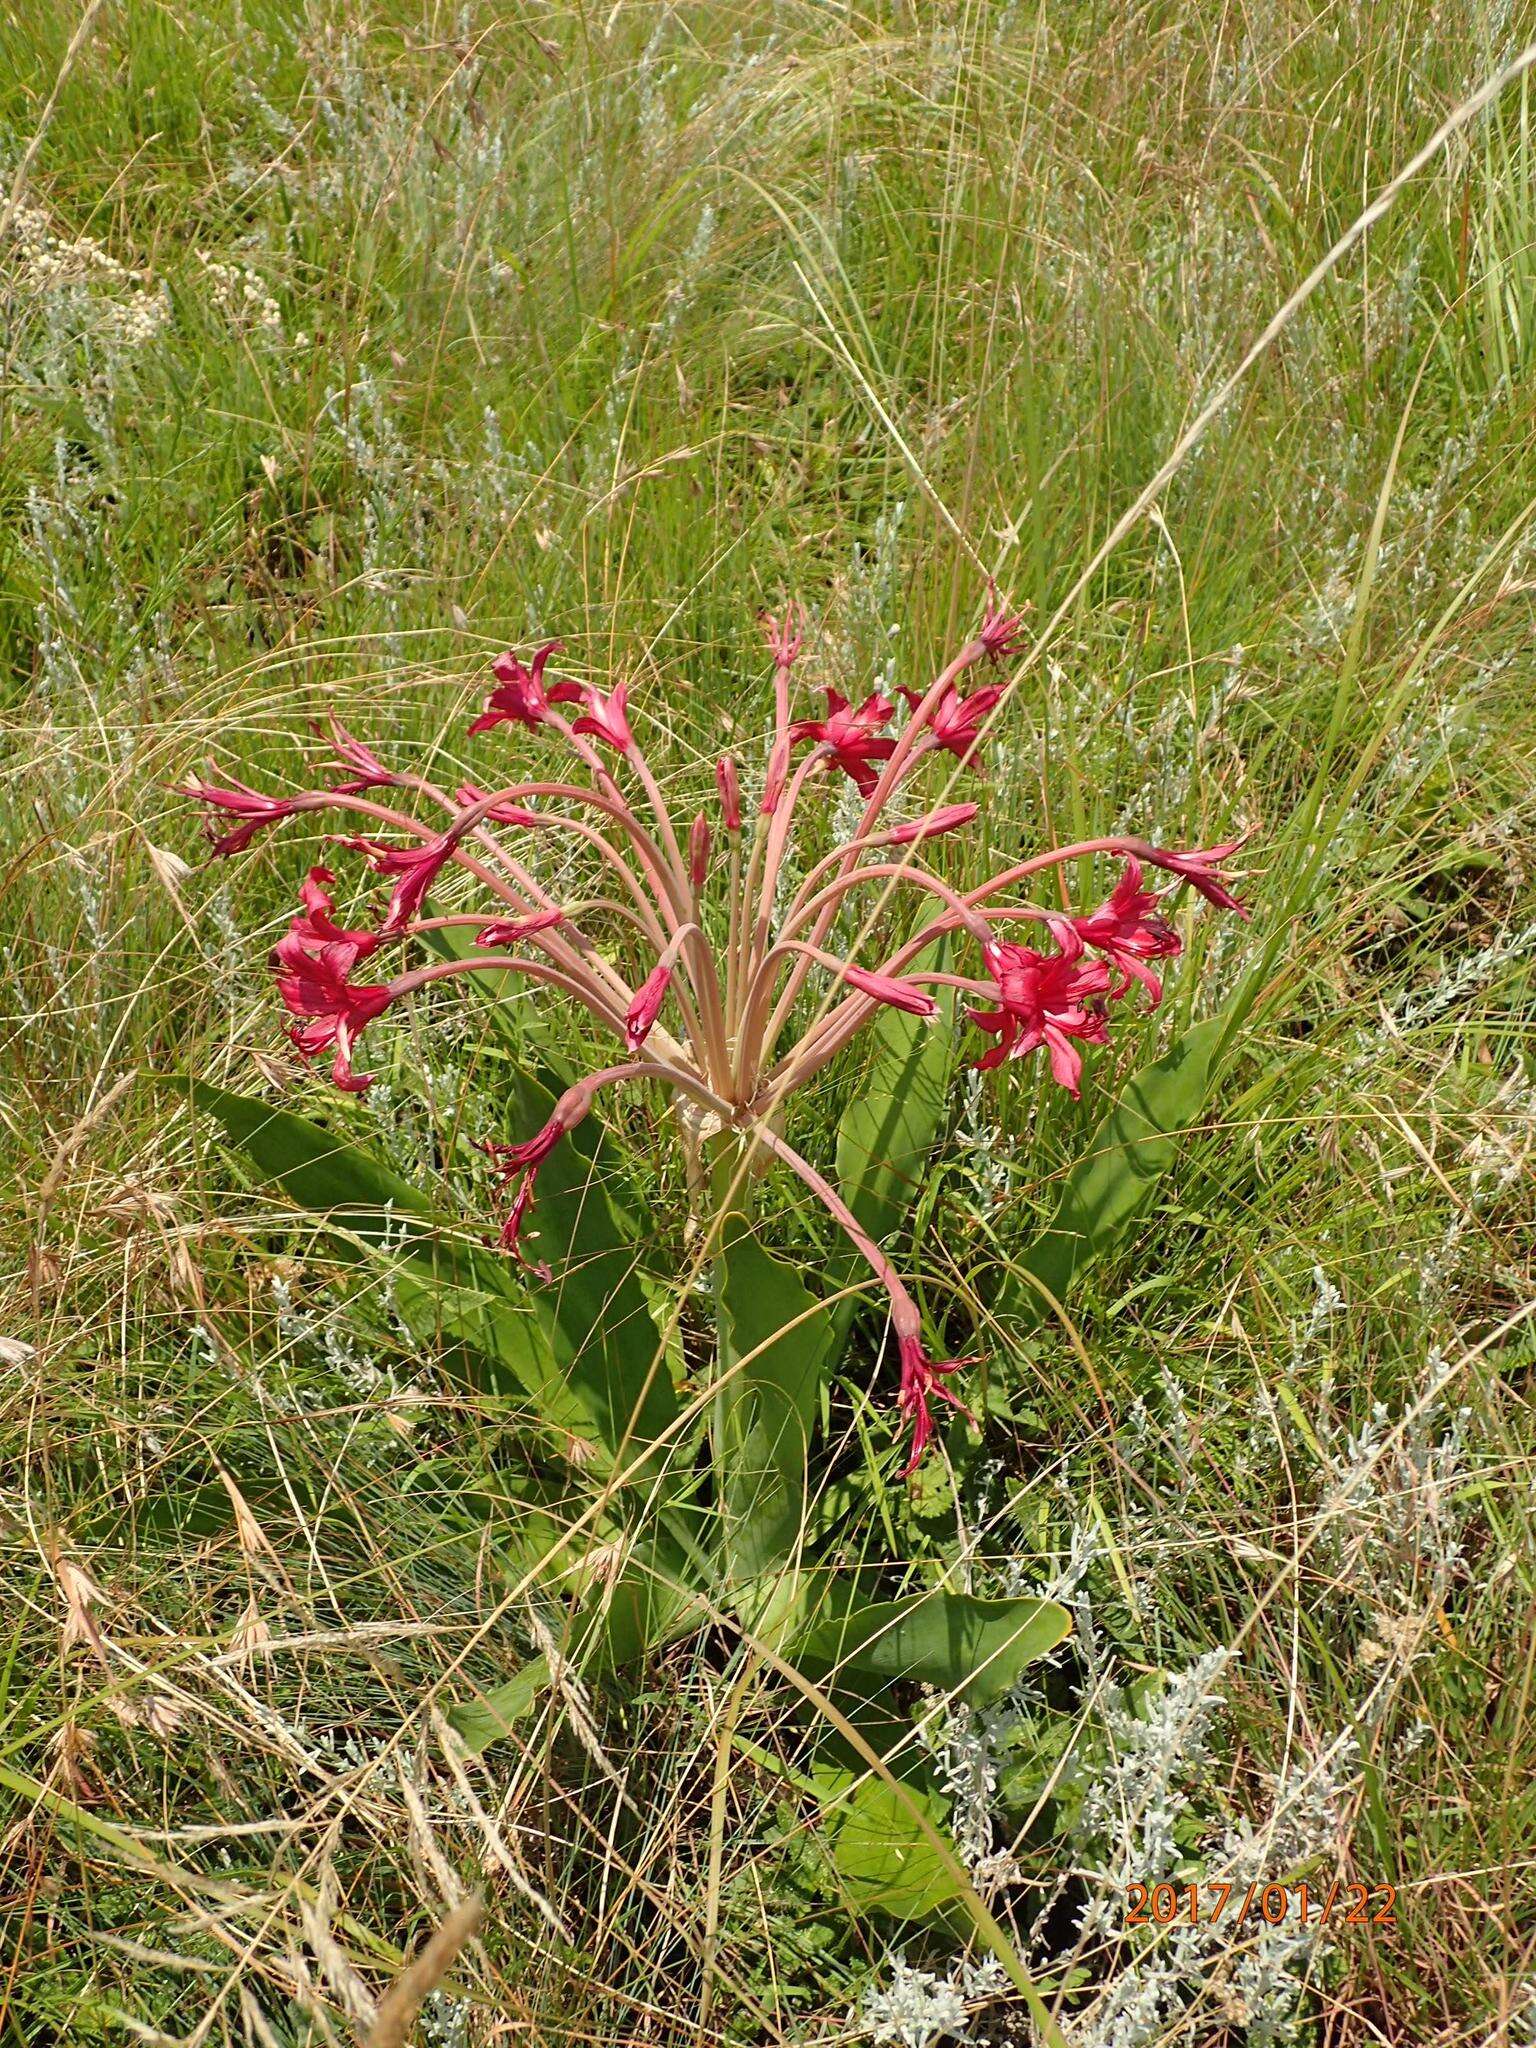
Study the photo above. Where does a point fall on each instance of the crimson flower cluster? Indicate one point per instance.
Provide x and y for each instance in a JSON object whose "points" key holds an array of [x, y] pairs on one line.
{"points": [[695, 946]]}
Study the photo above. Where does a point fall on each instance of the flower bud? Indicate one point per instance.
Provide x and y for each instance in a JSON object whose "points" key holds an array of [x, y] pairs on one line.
{"points": [[646, 1007], [888, 988], [948, 818], [698, 851]]}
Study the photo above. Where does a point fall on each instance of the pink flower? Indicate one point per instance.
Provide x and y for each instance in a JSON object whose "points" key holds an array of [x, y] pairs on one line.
{"points": [[316, 960], [887, 988], [729, 786], [605, 719], [418, 868], [500, 814], [957, 721], [371, 772], [947, 818], [255, 810], [315, 926], [922, 1377], [519, 696], [1045, 999], [522, 1163], [850, 737], [783, 635], [1131, 930], [511, 931], [698, 851], [999, 630], [1202, 869], [646, 1007]]}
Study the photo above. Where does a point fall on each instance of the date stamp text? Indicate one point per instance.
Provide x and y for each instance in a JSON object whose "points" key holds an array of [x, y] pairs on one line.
{"points": [[1304, 1905]]}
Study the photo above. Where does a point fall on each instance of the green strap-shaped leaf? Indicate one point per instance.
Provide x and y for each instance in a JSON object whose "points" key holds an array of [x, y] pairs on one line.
{"points": [[889, 1129], [450, 1293], [1118, 1174], [316, 1170], [480, 1722], [972, 1647], [594, 1311], [461, 1321], [584, 1346], [774, 1340]]}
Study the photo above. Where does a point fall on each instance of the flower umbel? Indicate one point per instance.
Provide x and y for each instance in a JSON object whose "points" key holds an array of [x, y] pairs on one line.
{"points": [[958, 723], [255, 812], [315, 963], [1048, 999], [850, 738], [1130, 930], [695, 957], [1202, 870], [519, 695], [922, 1378]]}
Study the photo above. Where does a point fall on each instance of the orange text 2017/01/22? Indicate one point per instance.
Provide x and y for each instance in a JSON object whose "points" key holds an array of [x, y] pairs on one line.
{"points": [[1306, 1905]]}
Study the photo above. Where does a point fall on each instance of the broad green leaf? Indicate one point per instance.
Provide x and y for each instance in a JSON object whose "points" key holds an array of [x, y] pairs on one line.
{"points": [[622, 1598], [1118, 1174], [883, 1860], [973, 1647], [584, 1346], [451, 1294], [618, 1618], [480, 1722], [453, 1316], [889, 1129], [316, 1170], [643, 1606], [594, 1311], [774, 1338]]}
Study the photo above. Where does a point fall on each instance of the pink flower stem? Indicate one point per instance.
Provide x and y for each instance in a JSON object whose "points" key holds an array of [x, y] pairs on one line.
{"points": [[576, 952], [933, 978], [673, 894], [664, 886], [782, 671], [904, 1311], [826, 1039], [1141, 849], [584, 990], [607, 783], [777, 838], [911, 743], [655, 1070], [658, 804], [752, 1045], [860, 844], [965, 914], [703, 974], [801, 911], [670, 884], [520, 891], [732, 941], [586, 753], [617, 985], [916, 727]]}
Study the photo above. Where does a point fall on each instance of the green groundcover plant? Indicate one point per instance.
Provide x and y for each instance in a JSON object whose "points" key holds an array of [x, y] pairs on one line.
{"points": [[690, 946]]}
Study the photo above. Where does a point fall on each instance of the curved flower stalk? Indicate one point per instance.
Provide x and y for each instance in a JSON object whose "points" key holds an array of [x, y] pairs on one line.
{"points": [[686, 952]]}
